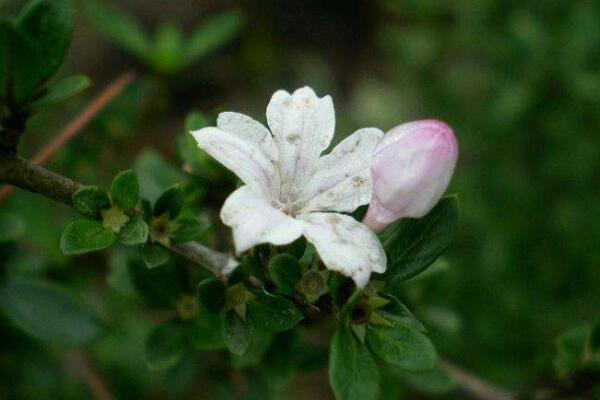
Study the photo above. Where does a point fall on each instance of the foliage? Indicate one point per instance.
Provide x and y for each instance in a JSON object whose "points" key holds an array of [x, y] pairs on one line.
{"points": [[517, 81]]}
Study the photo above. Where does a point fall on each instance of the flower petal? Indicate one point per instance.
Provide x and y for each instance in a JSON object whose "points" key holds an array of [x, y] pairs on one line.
{"points": [[243, 156], [302, 126], [255, 221], [343, 178], [345, 245], [249, 129]]}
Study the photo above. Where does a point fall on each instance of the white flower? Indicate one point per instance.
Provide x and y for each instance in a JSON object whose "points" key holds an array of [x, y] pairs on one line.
{"points": [[290, 189]]}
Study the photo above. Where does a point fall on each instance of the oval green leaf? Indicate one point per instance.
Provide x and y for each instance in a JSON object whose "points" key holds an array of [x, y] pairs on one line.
{"points": [[402, 346], [125, 190], [48, 312], [353, 372], [83, 236]]}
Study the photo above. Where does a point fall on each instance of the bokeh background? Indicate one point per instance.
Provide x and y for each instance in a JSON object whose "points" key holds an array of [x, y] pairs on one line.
{"points": [[519, 81]]}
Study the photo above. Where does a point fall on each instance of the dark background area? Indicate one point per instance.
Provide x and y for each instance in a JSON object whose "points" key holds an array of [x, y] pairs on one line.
{"points": [[519, 82]]}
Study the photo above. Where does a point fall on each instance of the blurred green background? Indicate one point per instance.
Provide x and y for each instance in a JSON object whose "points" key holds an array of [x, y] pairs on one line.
{"points": [[519, 81]]}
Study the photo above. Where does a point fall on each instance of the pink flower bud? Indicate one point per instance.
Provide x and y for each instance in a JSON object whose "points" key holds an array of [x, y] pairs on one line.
{"points": [[411, 168]]}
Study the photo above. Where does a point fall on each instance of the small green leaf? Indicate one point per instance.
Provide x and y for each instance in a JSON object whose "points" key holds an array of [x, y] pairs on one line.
{"points": [[170, 201], [351, 303], [570, 347], [237, 333], [259, 345], [412, 245], [274, 314], [194, 121], [82, 236], [61, 90], [215, 32], [189, 229], [165, 345], [48, 24], [353, 372], [595, 338], [11, 227], [48, 312], [124, 190], [154, 255], [159, 288], [204, 332], [155, 174], [134, 232], [402, 346], [167, 51], [21, 67], [119, 27], [285, 272], [296, 248], [89, 200], [436, 382], [211, 294]]}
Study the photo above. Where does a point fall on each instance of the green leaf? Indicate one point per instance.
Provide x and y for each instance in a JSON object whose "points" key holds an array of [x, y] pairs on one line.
{"points": [[155, 174], [204, 332], [61, 90], [170, 201], [274, 314], [259, 344], [351, 303], [167, 51], [49, 25], [82, 236], [134, 232], [20, 64], [402, 346], [119, 28], [595, 338], [89, 200], [218, 30], [211, 294], [48, 312], [11, 227], [353, 372], [125, 190], [285, 272], [436, 382], [189, 229], [571, 347], [194, 121], [165, 345], [154, 255], [412, 245], [159, 288], [237, 333]]}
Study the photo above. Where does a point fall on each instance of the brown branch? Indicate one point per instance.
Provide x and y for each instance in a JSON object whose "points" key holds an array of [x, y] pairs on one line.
{"points": [[80, 365], [27, 175], [76, 125], [475, 387]]}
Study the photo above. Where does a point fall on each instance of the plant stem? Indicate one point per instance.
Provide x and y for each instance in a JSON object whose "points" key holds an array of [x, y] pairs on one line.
{"points": [[103, 99], [218, 263], [27, 175], [79, 364], [475, 387]]}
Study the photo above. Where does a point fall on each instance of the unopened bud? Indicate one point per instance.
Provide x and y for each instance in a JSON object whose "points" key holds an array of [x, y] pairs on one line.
{"points": [[411, 168]]}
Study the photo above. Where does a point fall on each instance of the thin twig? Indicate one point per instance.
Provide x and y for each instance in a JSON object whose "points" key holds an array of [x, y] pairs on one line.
{"points": [[79, 364], [76, 125], [475, 387]]}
